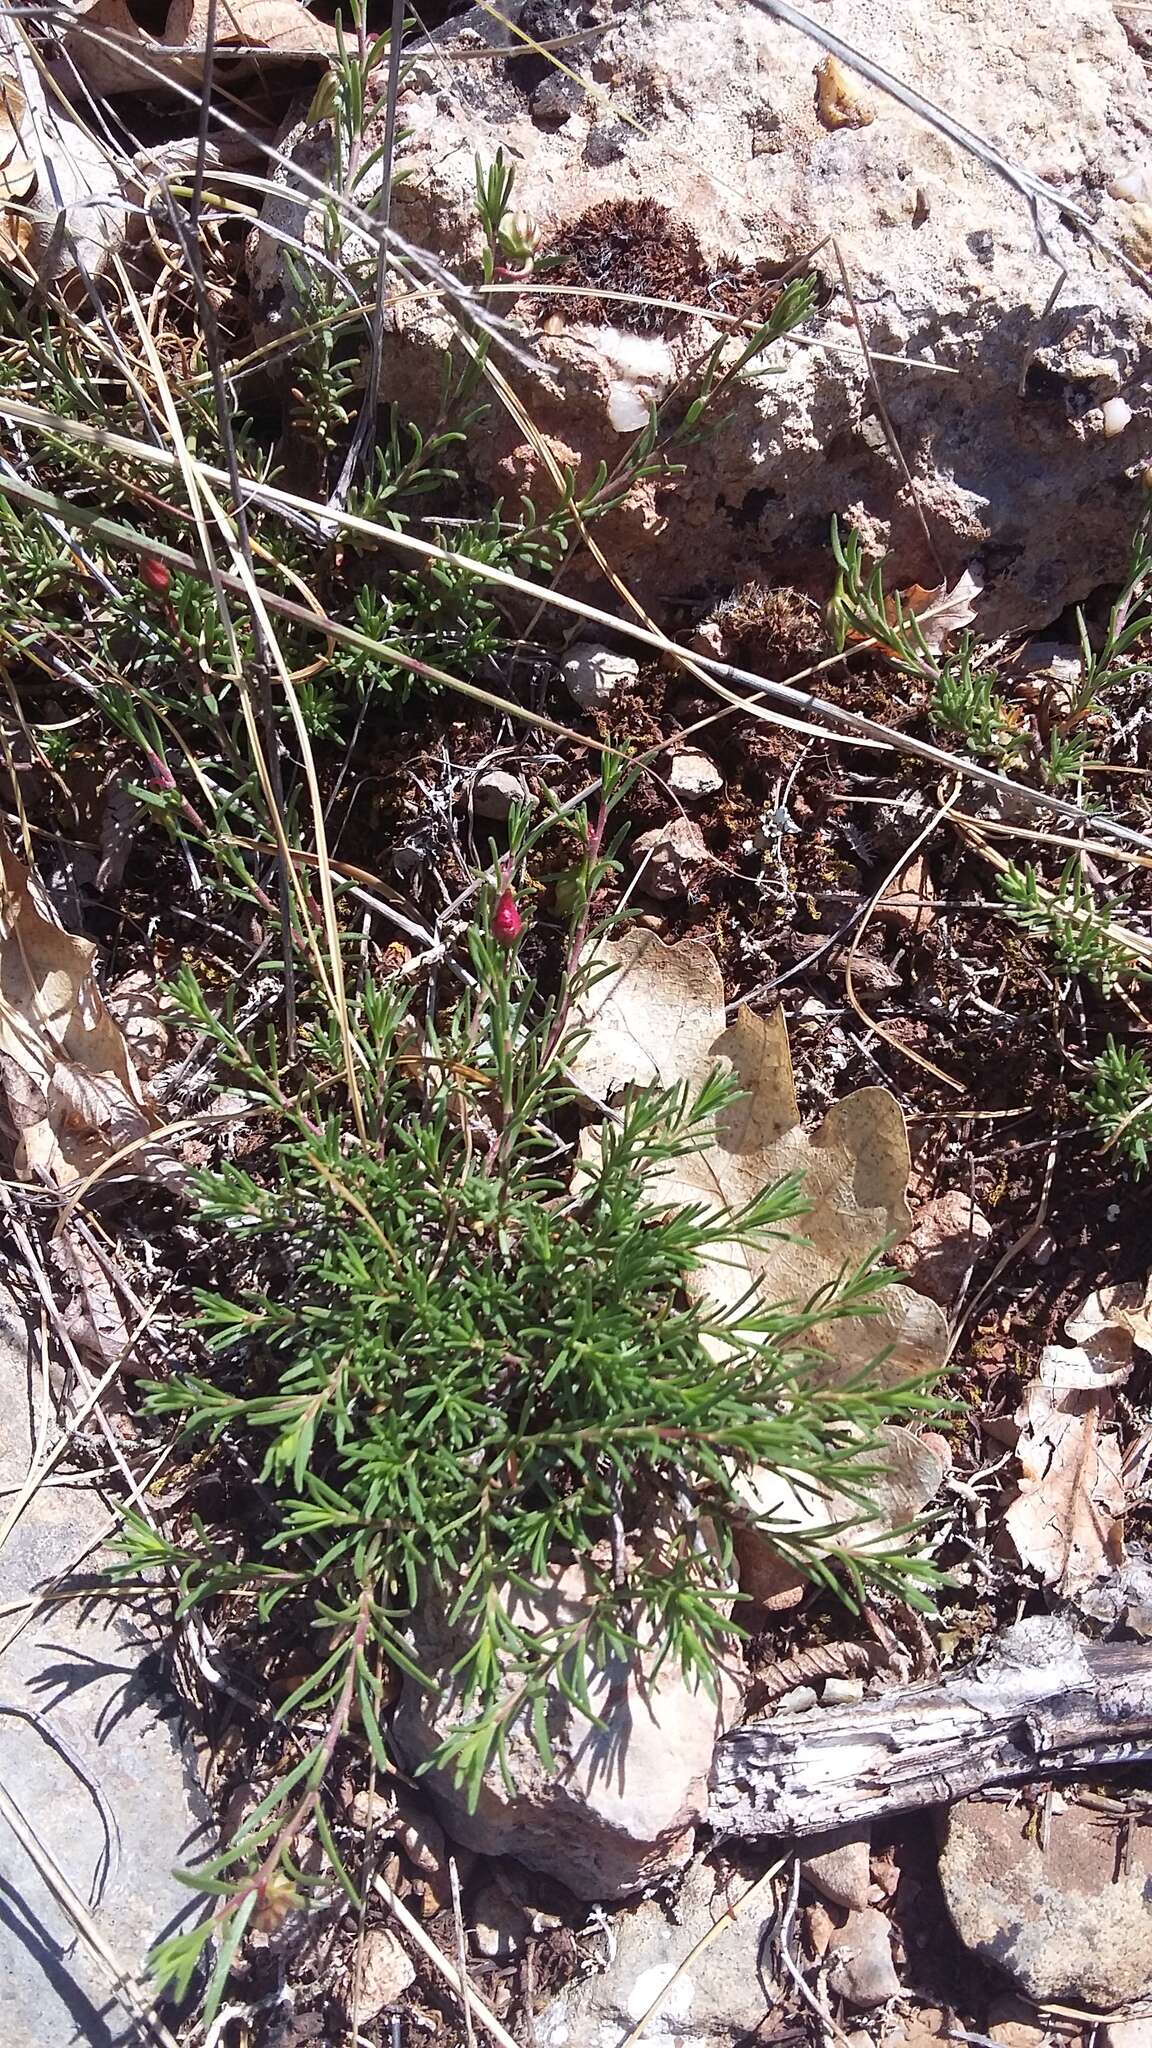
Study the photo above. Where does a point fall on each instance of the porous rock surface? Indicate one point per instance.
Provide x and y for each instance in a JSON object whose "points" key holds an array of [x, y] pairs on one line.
{"points": [[709, 108], [1065, 1922], [619, 1806], [718, 2000], [90, 1751]]}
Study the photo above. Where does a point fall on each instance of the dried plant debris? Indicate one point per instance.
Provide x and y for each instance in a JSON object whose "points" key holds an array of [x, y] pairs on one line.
{"points": [[1066, 1520], [638, 246], [70, 1085], [658, 1014], [114, 54], [61, 203]]}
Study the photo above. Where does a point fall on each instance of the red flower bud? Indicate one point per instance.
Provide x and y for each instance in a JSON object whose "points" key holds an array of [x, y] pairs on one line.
{"points": [[161, 777], [155, 574], [507, 923]]}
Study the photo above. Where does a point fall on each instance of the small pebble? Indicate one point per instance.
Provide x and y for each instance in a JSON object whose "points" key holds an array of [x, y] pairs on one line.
{"points": [[375, 1811], [1116, 414], [862, 1969], [628, 406], [1134, 185], [422, 1840], [499, 1925], [800, 1700], [386, 1973], [691, 774], [594, 675], [669, 856], [495, 792], [842, 1692]]}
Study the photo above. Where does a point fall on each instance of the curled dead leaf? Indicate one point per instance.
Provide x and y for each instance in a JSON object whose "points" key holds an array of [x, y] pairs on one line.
{"points": [[60, 191], [1066, 1520], [72, 1091], [903, 1473], [114, 54]]}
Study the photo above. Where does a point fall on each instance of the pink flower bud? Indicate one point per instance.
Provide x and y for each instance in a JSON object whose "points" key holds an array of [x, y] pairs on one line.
{"points": [[507, 923], [155, 574]]}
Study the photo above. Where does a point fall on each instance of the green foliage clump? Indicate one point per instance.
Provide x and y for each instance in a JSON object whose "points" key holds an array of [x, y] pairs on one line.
{"points": [[465, 1356], [1071, 921], [1119, 1103]]}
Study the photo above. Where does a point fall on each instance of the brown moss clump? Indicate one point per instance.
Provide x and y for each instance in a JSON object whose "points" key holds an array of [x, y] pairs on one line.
{"points": [[626, 245], [638, 245], [762, 627]]}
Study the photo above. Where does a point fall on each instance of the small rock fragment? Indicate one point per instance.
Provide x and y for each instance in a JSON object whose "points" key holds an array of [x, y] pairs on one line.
{"points": [[1012, 2024], [1115, 415], [495, 792], [800, 1700], [594, 675], [691, 774], [1135, 185], [821, 1926], [422, 1840], [670, 855], [1133, 2033], [943, 1245], [842, 1692], [499, 1925], [862, 1968], [908, 898], [841, 100], [838, 1865], [374, 1811], [386, 1973]]}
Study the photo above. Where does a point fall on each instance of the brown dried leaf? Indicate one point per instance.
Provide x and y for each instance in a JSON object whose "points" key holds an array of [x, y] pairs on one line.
{"points": [[660, 1015], [942, 611], [71, 1088], [65, 178], [1067, 1518], [114, 54]]}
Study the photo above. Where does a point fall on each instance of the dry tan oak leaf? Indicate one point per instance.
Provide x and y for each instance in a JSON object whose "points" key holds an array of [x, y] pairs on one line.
{"points": [[72, 1091], [900, 1476], [61, 206], [114, 54], [658, 1014], [1066, 1520]]}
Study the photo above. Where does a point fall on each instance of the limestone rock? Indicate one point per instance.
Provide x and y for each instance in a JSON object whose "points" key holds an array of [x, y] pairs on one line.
{"points": [[89, 1748], [717, 2003], [692, 775], [386, 1973], [862, 1968], [594, 675], [669, 855], [839, 1866], [1058, 1920], [943, 1245], [619, 1808], [944, 257]]}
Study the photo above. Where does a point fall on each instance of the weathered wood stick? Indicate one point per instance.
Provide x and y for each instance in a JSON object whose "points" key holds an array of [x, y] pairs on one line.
{"points": [[1042, 1703]]}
